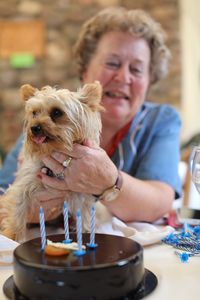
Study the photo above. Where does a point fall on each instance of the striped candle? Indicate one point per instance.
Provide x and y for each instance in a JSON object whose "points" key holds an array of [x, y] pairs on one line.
{"points": [[79, 229], [92, 244], [66, 222], [42, 230], [80, 251]]}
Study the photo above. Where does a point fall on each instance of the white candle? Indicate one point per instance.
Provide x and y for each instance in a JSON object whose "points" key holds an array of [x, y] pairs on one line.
{"points": [[80, 251], [92, 244], [42, 230], [66, 222], [79, 229], [93, 223]]}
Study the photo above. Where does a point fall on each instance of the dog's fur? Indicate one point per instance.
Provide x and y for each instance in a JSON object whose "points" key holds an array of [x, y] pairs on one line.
{"points": [[54, 120]]}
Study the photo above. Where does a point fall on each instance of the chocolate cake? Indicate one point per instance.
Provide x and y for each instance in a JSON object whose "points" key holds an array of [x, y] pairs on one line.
{"points": [[113, 270]]}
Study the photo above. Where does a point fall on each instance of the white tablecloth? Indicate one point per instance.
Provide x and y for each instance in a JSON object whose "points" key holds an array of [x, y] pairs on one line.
{"points": [[176, 280]]}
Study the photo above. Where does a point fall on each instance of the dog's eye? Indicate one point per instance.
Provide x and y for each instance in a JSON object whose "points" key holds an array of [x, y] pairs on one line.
{"points": [[34, 113], [56, 113]]}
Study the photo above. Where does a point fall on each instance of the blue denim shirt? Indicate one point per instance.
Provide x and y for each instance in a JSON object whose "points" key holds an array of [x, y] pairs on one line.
{"points": [[149, 151], [9, 168]]}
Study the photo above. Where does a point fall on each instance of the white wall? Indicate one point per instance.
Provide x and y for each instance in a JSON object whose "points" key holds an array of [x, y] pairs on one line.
{"points": [[190, 39]]}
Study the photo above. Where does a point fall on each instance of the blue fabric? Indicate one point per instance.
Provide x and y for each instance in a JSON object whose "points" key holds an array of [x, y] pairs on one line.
{"points": [[8, 170], [150, 150]]}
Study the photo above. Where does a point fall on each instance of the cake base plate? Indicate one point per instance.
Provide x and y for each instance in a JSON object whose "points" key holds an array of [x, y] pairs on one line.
{"points": [[149, 284]]}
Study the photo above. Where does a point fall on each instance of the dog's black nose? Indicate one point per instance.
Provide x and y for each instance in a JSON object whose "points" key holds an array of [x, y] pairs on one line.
{"points": [[36, 129]]}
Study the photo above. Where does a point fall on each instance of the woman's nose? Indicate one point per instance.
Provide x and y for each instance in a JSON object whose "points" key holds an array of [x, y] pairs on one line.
{"points": [[124, 75]]}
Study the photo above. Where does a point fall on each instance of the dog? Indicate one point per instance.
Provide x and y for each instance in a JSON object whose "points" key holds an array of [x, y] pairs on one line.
{"points": [[54, 120]]}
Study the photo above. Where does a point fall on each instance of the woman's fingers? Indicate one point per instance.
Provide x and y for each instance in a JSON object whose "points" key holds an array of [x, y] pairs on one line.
{"points": [[53, 165], [54, 182], [78, 151], [59, 156], [89, 143], [95, 170]]}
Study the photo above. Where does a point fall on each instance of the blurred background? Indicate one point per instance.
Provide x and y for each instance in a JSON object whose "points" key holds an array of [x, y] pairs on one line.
{"points": [[36, 39]]}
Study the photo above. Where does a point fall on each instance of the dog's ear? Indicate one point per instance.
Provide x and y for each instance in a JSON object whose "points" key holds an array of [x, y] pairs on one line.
{"points": [[91, 94], [27, 91]]}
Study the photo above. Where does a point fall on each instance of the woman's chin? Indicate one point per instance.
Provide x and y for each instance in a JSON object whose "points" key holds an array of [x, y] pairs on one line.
{"points": [[109, 101], [117, 117], [116, 110]]}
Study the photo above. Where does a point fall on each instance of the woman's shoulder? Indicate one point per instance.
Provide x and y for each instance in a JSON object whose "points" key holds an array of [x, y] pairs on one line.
{"points": [[166, 112]]}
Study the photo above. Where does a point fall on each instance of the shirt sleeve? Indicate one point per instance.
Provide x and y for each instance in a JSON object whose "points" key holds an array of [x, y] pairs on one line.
{"points": [[9, 168], [160, 159]]}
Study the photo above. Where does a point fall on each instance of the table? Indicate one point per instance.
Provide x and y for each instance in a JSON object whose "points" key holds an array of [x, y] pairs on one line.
{"points": [[176, 280]]}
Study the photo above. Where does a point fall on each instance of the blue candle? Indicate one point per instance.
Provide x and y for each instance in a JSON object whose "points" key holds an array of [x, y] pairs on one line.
{"points": [[92, 244], [42, 230], [80, 251], [66, 223]]}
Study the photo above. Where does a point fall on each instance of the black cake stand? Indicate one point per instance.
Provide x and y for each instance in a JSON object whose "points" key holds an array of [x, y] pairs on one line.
{"points": [[147, 286]]}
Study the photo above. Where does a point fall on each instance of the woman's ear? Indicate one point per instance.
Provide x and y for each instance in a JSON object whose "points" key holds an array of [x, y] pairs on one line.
{"points": [[27, 91], [91, 94]]}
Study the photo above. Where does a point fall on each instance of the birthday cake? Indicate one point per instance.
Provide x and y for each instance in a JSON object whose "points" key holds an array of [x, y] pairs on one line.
{"points": [[113, 270]]}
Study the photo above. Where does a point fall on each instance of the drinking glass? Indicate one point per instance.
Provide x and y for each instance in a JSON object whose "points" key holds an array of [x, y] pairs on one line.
{"points": [[195, 166]]}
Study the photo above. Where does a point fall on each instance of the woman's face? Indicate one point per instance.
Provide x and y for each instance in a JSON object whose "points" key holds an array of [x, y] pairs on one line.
{"points": [[121, 63]]}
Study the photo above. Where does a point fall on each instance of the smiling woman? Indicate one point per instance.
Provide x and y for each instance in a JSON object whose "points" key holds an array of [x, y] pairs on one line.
{"points": [[125, 51], [123, 71]]}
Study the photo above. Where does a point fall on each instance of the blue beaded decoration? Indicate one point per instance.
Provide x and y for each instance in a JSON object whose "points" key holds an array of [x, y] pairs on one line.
{"points": [[187, 240]]}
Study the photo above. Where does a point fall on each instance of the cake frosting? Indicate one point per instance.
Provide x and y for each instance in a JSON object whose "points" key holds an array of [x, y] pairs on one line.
{"points": [[111, 271]]}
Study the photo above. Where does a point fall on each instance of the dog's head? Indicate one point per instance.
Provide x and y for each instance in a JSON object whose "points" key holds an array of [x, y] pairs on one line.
{"points": [[57, 118]]}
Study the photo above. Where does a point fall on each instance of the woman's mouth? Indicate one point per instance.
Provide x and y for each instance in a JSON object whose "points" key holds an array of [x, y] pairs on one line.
{"points": [[118, 95]]}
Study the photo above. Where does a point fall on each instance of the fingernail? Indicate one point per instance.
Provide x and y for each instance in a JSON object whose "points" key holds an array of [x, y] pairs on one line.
{"points": [[44, 170]]}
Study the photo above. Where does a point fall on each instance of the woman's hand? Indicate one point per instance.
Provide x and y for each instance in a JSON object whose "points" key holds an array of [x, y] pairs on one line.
{"points": [[90, 171], [52, 203]]}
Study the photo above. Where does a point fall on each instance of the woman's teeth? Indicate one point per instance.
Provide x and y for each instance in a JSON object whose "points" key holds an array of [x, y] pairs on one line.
{"points": [[116, 95]]}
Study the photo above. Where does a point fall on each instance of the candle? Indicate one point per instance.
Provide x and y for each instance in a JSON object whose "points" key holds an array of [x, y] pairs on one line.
{"points": [[42, 229], [92, 244], [66, 223], [80, 251]]}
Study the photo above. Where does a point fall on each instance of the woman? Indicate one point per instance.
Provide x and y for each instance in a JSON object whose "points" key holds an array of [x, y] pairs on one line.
{"points": [[136, 165]]}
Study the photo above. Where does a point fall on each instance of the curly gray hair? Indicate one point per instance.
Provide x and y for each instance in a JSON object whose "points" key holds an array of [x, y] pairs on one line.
{"points": [[135, 22]]}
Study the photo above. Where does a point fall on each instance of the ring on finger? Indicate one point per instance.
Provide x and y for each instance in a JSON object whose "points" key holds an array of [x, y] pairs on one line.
{"points": [[67, 162], [61, 175]]}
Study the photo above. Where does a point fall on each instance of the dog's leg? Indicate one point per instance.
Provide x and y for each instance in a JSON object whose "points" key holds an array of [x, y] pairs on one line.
{"points": [[14, 209], [7, 207], [16, 202]]}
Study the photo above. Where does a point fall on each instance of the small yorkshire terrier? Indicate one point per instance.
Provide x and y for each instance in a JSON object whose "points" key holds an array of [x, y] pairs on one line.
{"points": [[54, 120]]}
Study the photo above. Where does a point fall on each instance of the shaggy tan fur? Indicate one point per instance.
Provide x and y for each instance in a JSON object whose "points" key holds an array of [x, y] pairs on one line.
{"points": [[64, 117]]}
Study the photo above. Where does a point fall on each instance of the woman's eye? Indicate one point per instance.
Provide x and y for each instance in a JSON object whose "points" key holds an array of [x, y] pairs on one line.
{"points": [[136, 71], [56, 113], [112, 64]]}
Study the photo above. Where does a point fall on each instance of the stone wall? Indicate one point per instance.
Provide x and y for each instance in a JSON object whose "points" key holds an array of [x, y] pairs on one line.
{"points": [[63, 19]]}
